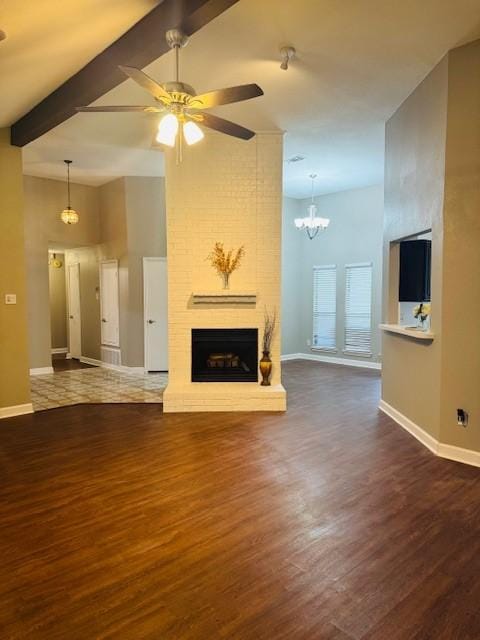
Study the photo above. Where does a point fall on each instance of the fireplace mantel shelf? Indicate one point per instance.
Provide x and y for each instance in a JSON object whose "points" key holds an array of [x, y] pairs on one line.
{"points": [[226, 296]]}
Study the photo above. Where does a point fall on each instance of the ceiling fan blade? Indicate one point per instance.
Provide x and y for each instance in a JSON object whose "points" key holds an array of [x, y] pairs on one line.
{"points": [[147, 83], [225, 96], [224, 126], [123, 108]]}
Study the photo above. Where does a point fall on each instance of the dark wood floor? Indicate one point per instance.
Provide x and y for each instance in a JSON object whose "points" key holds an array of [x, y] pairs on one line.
{"points": [[60, 363], [327, 523]]}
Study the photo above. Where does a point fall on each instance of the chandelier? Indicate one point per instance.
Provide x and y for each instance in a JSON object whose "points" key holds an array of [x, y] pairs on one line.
{"points": [[312, 223], [69, 215]]}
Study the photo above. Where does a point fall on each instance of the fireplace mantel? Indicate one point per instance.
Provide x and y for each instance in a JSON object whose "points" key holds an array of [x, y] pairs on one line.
{"points": [[224, 297]]}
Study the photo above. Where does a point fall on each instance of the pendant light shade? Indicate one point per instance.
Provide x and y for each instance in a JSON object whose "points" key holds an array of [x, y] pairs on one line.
{"points": [[192, 133], [167, 130], [69, 215]]}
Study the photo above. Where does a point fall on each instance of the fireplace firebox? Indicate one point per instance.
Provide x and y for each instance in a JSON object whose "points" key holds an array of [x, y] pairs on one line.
{"points": [[224, 355]]}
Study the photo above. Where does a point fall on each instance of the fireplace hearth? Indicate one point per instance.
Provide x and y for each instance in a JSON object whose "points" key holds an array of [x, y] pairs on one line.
{"points": [[224, 355]]}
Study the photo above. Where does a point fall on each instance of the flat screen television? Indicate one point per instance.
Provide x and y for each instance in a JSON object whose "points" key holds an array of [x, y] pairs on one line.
{"points": [[415, 269]]}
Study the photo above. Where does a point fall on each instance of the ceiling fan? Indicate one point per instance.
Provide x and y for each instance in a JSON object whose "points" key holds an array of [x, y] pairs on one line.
{"points": [[184, 109]]}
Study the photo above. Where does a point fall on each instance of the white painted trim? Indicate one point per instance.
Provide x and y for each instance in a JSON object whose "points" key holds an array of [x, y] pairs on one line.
{"points": [[68, 356], [41, 371], [447, 451], [467, 456], [16, 410], [417, 432], [114, 367], [347, 362], [100, 281], [145, 260], [59, 350], [69, 313], [93, 361]]}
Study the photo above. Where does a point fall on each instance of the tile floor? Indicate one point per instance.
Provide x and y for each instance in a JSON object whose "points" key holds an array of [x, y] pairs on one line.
{"points": [[95, 385]]}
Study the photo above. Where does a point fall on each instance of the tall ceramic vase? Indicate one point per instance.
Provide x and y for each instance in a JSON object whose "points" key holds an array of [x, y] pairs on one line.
{"points": [[266, 369]]}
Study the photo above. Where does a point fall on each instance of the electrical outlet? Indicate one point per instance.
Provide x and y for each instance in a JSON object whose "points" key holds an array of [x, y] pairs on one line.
{"points": [[10, 298], [462, 418]]}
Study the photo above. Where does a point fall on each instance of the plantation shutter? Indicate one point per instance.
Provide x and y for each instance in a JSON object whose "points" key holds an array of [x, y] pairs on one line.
{"points": [[358, 309], [325, 307]]}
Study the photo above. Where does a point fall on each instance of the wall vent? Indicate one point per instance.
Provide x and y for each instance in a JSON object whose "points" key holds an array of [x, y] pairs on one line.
{"points": [[293, 159], [111, 356]]}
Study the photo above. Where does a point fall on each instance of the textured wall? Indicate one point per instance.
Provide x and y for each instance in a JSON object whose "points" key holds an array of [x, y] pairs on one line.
{"points": [[291, 271], [58, 303], [354, 235], [229, 191], [146, 237], [414, 185], [460, 384], [43, 202], [14, 382]]}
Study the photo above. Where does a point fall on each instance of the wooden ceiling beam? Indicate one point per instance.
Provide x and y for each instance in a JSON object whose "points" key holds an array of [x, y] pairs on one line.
{"points": [[139, 46]]}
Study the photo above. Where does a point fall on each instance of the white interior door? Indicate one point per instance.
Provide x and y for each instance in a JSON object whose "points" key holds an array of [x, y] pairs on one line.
{"points": [[109, 307], [155, 314], [74, 318]]}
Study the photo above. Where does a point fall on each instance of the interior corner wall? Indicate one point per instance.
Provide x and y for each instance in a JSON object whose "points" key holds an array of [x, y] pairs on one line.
{"points": [[415, 139], [44, 199], [354, 235], [88, 259], [291, 244], [460, 383], [58, 303], [146, 237], [113, 246], [14, 380]]}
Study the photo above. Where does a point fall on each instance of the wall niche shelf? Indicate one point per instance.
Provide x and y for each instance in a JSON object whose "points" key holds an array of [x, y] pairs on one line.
{"points": [[224, 297], [408, 331]]}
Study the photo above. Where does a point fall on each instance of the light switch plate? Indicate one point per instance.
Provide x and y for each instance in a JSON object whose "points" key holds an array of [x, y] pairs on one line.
{"points": [[10, 298]]}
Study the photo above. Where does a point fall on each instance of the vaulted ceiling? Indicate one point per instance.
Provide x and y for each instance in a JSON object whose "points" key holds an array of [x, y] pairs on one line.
{"points": [[356, 62]]}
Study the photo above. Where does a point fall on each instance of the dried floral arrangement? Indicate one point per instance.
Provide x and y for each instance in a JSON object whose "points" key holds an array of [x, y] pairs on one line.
{"points": [[269, 329], [225, 262]]}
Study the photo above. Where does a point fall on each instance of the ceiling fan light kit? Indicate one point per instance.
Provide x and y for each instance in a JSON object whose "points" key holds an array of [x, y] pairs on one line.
{"points": [[312, 224], [184, 110]]}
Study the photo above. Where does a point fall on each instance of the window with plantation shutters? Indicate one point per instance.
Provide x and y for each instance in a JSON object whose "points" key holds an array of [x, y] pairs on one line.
{"points": [[358, 309], [325, 307]]}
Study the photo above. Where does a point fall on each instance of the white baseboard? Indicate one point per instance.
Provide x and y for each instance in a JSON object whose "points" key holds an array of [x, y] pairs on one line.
{"points": [[115, 367], [41, 371], [417, 432], [450, 452], [59, 350], [467, 456], [16, 410], [92, 361], [347, 362]]}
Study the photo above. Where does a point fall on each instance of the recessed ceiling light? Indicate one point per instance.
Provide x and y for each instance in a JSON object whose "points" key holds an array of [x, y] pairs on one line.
{"points": [[3, 35], [295, 159]]}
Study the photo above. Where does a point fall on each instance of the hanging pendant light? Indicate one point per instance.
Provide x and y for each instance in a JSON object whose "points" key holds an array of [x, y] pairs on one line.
{"points": [[69, 215], [312, 223]]}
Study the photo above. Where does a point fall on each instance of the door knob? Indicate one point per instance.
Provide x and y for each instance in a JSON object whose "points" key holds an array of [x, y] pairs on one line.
{"points": [[103, 320], [71, 317], [151, 321]]}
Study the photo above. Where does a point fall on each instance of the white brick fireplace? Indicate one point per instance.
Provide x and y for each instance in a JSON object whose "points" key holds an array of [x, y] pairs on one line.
{"points": [[229, 191]]}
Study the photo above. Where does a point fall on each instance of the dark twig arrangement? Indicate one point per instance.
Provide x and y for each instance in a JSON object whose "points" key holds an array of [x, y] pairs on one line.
{"points": [[269, 329]]}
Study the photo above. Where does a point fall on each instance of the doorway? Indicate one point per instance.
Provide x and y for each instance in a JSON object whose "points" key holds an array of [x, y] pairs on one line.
{"points": [[74, 311], [155, 314]]}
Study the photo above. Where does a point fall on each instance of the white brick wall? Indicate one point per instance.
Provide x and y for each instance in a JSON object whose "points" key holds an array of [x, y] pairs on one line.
{"points": [[229, 191]]}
